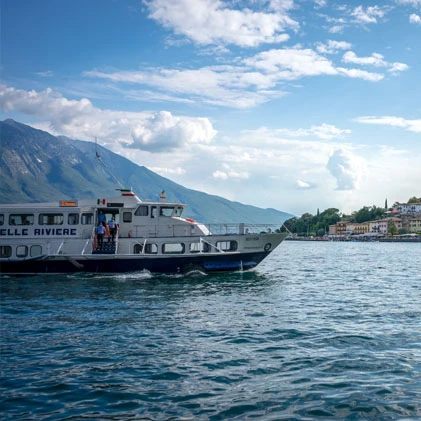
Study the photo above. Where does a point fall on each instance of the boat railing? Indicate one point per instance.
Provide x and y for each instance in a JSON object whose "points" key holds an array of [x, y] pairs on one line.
{"points": [[241, 228], [202, 240], [91, 240], [116, 242], [197, 229], [60, 247]]}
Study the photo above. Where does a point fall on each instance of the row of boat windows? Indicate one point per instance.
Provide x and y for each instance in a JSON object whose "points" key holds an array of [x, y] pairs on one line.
{"points": [[86, 218], [48, 218], [144, 210], [180, 248], [23, 251]]}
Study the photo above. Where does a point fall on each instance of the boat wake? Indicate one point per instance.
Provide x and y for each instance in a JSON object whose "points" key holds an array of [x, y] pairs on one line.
{"points": [[195, 273]]}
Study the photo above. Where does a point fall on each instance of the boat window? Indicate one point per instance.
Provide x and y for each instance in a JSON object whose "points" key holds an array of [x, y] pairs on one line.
{"points": [[166, 211], [21, 219], [127, 217], [36, 251], [142, 211], [21, 251], [227, 245], [5, 251], [50, 219], [1, 219], [153, 212], [151, 248], [87, 218], [173, 248], [194, 248], [199, 247], [73, 219], [138, 248], [178, 210]]}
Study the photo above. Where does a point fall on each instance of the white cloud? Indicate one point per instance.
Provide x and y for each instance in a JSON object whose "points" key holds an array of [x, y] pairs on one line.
{"points": [[248, 82], [304, 185], [416, 19], [220, 175], [398, 67], [332, 47], [48, 73], [324, 131], [320, 3], [168, 171], [343, 16], [152, 132], [336, 29], [414, 3], [346, 168], [231, 86], [164, 132], [292, 63], [367, 15], [209, 22], [410, 125], [376, 60], [361, 74], [228, 172]]}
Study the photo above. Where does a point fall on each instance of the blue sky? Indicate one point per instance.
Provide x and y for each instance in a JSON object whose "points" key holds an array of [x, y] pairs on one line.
{"points": [[295, 105]]}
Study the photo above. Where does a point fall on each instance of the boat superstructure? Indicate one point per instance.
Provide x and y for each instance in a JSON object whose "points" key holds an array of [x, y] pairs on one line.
{"points": [[62, 237]]}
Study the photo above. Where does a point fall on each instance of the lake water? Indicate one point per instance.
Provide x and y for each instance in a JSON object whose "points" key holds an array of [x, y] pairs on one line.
{"points": [[317, 331]]}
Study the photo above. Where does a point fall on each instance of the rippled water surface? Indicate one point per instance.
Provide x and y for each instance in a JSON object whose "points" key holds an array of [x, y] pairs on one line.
{"points": [[318, 331]]}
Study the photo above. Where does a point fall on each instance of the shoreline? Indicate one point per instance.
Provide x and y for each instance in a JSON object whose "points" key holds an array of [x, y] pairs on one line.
{"points": [[360, 240]]}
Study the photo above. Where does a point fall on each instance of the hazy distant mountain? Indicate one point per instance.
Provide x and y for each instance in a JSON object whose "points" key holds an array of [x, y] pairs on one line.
{"points": [[39, 167]]}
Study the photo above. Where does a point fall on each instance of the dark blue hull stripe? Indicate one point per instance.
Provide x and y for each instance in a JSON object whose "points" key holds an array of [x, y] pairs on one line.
{"points": [[224, 262]]}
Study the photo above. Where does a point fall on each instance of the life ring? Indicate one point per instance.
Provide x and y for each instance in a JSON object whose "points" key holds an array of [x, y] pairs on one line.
{"points": [[267, 246], [190, 220]]}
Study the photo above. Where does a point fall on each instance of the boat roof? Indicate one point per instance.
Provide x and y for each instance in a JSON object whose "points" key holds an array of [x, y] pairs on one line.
{"points": [[127, 199]]}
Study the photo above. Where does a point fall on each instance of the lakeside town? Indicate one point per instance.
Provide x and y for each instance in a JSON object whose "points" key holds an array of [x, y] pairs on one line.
{"points": [[401, 222]]}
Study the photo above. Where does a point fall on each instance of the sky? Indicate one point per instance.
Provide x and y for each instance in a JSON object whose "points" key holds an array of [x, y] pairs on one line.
{"points": [[289, 104]]}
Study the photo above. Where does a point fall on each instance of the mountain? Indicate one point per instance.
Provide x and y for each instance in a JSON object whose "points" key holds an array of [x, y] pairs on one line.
{"points": [[39, 167]]}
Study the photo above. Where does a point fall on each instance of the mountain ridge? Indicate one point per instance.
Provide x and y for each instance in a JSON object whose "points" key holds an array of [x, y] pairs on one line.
{"points": [[38, 167]]}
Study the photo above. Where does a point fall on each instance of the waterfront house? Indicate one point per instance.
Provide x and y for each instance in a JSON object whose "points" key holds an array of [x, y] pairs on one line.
{"points": [[414, 225], [407, 208], [341, 227], [382, 225], [332, 229]]}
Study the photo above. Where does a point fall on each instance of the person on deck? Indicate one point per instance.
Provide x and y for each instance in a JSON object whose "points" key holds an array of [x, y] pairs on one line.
{"points": [[101, 217], [100, 231], [113, 228]]}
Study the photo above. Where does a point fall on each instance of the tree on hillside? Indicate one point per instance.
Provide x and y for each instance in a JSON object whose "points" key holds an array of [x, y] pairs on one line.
{"points": [[368, 213], [309, 224], [391, 227]]}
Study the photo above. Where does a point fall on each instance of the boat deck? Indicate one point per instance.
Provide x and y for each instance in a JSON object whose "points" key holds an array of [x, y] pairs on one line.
{"points": [[107, 248]]}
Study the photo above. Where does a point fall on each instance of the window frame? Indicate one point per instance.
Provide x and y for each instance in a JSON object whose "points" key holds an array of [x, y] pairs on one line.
{"points": [[56, 218], [25, 219], [23, 253], [182, 249], [5, 252]]}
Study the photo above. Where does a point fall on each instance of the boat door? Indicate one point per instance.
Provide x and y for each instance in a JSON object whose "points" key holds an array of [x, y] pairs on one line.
{"points": [[125, 222]]}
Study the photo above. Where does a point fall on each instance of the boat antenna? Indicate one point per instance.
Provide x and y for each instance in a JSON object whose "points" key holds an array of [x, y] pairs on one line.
{"points": [[98, 156]]}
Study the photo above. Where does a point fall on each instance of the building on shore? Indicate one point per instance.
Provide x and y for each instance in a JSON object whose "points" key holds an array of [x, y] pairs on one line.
{"points": [[407, 208], [414, 224]]}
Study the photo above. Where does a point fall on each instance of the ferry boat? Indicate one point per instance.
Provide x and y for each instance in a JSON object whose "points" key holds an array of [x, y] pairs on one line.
{"points": [[62, 237]]}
